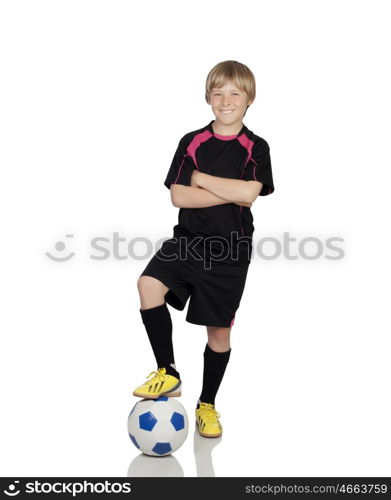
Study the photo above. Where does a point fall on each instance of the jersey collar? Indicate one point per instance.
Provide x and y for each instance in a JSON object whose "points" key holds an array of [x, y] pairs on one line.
{"points": [[224, 137]]}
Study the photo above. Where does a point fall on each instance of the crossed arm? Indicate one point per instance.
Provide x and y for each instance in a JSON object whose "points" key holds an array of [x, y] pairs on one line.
{"points": [[208, 190]]}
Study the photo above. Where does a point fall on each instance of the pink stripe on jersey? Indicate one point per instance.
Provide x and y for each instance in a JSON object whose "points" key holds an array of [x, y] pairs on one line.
{"points": [[192, 148], [195, 143], [255, 163], [248, 144]]}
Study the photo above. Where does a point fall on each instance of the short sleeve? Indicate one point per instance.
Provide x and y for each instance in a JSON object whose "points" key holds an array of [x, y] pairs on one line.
{"points": [[182, 166], [259, 167]]}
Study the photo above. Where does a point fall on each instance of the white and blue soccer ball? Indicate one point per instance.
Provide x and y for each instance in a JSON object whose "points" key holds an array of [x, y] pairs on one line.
{"points": [[158, 427]]}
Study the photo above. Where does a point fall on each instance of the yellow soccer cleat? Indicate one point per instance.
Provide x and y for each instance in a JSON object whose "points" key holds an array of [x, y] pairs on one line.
{"points": [[207, 419], [161, 384]]}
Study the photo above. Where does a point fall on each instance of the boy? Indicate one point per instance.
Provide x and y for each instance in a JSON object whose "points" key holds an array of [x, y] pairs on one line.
{"points": [[216, 174]]}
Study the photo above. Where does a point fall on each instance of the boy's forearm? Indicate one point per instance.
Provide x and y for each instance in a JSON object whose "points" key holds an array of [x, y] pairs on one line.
{"points": [[195, 197], [234, 190]]}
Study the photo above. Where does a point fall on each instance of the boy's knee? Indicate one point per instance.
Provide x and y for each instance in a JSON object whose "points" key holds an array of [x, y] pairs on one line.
{"points": [[149, 284], [219, 335], [218, 330], [142, 282], [146, 283]]}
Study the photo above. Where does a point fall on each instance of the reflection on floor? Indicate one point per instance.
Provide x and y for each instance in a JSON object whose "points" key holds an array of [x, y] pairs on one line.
{"points": [[168, 466], [203, 454], [147, 466]]}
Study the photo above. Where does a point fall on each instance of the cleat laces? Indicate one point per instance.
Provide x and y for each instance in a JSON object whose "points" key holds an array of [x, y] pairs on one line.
{"points": [[158, 376], [209, 413]]}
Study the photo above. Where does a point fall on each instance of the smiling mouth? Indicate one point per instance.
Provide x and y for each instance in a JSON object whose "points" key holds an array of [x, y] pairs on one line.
{"points": [[226, 112]]}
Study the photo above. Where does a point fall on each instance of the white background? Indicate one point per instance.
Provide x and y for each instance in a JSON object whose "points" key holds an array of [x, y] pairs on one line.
{"points": [[95, 96]]}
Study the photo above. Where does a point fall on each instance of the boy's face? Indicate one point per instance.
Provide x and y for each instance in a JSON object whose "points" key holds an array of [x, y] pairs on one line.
{"points": [[231, 99]]}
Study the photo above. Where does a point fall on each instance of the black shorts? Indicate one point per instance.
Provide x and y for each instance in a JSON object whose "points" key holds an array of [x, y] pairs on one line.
{"points": [[214, 293]]}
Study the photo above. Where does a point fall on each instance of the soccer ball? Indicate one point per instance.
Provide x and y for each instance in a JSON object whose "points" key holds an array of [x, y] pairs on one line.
{"points": [[158, 427]]}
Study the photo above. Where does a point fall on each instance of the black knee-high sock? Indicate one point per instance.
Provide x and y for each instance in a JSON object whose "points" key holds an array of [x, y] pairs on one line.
{"points": [[157, 322], [215, 364]]}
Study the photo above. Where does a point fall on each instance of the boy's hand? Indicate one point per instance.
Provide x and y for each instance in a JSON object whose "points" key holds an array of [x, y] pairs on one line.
{"points": [[194, 178], [193, 183]]}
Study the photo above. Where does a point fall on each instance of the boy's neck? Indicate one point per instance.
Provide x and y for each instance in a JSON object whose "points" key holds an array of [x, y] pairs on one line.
{"points": [[233, 129]]}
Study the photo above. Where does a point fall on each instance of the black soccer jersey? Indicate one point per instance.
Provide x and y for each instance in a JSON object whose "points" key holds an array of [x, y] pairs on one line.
{"points": [[243, 156]]}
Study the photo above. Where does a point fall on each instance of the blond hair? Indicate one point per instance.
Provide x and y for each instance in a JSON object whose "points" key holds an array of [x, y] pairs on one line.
{"points": [[232, 71]]}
